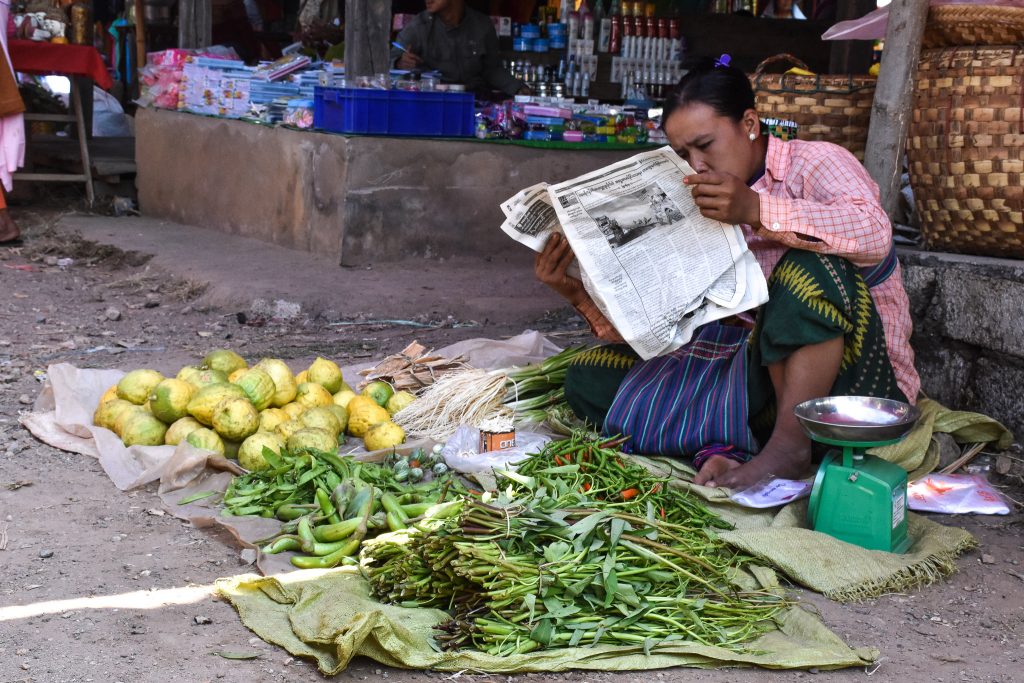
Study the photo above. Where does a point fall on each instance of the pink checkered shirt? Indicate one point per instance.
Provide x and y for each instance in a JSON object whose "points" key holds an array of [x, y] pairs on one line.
{"points": [[820, 191]]}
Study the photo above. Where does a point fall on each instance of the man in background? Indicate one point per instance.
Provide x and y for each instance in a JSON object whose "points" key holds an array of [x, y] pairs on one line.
{"points": [[457, 41]]}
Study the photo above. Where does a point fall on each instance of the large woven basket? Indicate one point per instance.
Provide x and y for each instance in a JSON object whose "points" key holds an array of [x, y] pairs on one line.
{"points": [[831, 108], [953, 25], [966, 149]]}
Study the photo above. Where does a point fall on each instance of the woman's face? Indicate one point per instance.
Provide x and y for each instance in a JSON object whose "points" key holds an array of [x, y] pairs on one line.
{"points": [[711, 142]]}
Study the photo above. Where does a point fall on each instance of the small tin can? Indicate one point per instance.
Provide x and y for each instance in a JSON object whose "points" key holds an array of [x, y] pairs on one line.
{"points": [[497, 441]]}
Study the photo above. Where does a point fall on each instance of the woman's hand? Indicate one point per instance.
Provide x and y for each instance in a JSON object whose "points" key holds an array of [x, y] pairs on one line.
{"points": [[550, 265], [725, 198]]}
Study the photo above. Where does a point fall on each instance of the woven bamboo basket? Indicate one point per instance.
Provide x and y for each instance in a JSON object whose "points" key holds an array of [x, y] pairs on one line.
{"points": [[830, 108], [954, 25], [966, 149]]}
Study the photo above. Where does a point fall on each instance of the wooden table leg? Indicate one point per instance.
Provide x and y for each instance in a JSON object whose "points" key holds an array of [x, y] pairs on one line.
{"points": [[83, 137]]}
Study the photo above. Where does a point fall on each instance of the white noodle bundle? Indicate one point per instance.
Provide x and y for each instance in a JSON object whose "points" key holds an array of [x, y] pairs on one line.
{"points": [[461, 397]]}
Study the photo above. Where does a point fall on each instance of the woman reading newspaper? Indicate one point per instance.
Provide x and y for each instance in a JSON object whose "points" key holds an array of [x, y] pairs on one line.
{"points": [[837, 321]]}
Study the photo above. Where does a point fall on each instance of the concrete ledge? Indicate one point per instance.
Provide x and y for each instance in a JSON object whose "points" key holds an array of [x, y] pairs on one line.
{"points": [[969, 331], [355, 200]]}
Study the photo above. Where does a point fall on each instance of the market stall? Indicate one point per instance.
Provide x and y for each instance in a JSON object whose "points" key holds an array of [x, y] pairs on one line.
{"points": [[586, 100]]}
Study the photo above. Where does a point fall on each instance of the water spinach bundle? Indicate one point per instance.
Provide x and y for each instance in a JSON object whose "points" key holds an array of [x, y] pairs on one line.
{"points": [[552, 562]]}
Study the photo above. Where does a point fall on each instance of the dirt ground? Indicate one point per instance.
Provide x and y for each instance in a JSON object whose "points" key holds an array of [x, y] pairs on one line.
{"points": [[97, 584]]}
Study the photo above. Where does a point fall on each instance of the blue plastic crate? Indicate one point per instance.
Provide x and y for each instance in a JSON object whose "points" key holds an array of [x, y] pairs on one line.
{"points": [[393, 112]]}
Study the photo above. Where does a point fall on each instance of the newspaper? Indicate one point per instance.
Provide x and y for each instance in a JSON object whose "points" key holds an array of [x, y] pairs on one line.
{"points": [[651, 262]]}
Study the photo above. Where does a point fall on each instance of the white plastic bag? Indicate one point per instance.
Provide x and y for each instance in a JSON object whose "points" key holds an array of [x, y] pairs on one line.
{"points": [[108, 119], [956, 494], [462, 451], [772, 492]]}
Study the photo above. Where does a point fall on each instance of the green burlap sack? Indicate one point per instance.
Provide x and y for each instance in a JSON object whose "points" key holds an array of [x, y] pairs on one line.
{"points": [[329, 616], [839, 570], [846, 572], [918, 454]]}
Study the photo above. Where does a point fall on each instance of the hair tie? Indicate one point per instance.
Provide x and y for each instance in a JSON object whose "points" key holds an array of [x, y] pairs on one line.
{"points": [[724, 61]]}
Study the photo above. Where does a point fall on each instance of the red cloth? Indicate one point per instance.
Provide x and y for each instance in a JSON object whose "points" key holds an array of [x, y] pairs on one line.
{"points": [[36, 57]]}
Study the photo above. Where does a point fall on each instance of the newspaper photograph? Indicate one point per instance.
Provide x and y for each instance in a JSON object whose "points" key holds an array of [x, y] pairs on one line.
{"points": [[529, 217], [652, 263]]}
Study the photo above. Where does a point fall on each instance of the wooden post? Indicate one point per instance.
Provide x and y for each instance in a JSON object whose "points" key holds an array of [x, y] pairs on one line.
{"points": [[195, 23], [140, 34], [367, 37], [890, 114]]}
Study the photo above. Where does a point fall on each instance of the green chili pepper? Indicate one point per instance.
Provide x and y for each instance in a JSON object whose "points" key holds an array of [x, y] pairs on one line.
{"points": [[391, 506], [395, 522], [305, 531], [333, 559], [323, 499], [291, 511], [336, 532], [282, 544], [416, 509]]}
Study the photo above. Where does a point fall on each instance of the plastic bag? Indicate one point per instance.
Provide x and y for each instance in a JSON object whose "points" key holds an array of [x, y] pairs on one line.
{"points": [[462, 451], [772, 492], [108, 117], [955, 494]]}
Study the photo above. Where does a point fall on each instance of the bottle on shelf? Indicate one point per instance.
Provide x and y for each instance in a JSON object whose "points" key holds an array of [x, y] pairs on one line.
{"points": [[572, 27], [603, 21], [563, 11], [615, 35], [586, 22]]}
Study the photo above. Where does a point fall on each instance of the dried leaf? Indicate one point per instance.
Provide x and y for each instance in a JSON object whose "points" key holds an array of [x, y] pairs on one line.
{"points": [[411, 370]]}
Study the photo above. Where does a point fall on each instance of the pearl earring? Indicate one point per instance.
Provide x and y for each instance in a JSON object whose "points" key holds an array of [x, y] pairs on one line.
{"points": [[752, 137]]}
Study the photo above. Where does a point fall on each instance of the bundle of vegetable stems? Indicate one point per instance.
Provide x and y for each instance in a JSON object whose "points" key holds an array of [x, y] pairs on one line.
{"points": [[569, 558], [470, 396]]}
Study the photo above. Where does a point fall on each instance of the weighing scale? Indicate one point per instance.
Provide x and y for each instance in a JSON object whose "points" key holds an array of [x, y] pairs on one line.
{"points": [[857, 497]]}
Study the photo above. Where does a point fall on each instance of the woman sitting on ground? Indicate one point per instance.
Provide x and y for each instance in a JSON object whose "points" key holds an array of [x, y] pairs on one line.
{"points": [[837, 321]]}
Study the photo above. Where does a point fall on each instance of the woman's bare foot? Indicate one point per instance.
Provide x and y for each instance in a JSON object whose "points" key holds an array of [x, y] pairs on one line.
{"points": [[714, 468], [807, 373], [781, 458], [9, 231]]}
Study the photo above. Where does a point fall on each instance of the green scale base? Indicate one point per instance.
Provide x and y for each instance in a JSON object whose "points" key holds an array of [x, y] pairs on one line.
{"points": [[860, 498]]}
